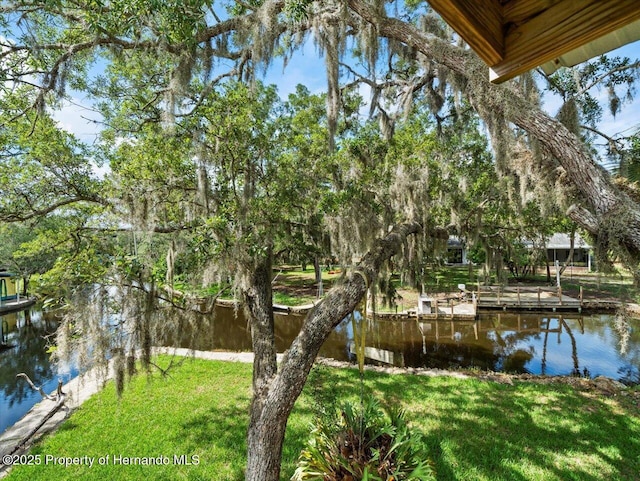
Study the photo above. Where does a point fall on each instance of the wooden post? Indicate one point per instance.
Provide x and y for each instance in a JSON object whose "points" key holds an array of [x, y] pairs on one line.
{"points": [[538, 296], [436, 307], [560, 295], [581, 295], [452, 309], [518, 291], [498, 295]]}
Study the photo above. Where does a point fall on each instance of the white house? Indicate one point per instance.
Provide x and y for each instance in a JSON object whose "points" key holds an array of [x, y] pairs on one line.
{"points": [[559, 247]]}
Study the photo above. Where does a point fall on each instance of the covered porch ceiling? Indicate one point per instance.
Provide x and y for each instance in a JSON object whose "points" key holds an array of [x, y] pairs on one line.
{"points": [[514, 36]]}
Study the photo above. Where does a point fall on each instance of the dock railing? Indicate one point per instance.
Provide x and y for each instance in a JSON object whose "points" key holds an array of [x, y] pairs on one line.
{"points": [[526, 297]]}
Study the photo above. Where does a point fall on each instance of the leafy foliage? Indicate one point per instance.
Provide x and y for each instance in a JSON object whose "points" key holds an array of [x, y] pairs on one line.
{"points": [[364, 442]]}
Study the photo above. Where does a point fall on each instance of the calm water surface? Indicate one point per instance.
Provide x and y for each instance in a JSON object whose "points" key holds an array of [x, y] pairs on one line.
{"points": [[518, 343], [535, 343], [26, 352]]}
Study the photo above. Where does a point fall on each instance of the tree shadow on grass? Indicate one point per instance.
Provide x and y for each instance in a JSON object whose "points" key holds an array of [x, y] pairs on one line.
{"points": [[223, 431], [68, 425], [296, 437], [485, 430]]}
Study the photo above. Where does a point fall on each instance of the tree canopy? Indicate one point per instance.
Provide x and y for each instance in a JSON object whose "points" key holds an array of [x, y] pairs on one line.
{"points": [[211, 175]]}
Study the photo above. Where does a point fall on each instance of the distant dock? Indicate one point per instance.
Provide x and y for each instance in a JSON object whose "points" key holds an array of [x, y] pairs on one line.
{"points": [[439, 309], [498, 298], [14, 305], [537, 299]]}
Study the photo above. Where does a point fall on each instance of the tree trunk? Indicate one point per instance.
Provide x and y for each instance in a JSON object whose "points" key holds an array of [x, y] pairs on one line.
{"points": [[318, 272], [263, 455], [276, 394], [569, 260]]}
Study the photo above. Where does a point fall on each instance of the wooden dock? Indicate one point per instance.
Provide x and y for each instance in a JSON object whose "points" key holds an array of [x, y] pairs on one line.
{"points": [[498, 298], [16, 305], [462, 311], [535, 299]]}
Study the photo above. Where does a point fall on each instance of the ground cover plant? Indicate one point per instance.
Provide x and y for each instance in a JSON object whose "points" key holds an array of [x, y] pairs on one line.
{"points": [[363, 440], [473, 428]]}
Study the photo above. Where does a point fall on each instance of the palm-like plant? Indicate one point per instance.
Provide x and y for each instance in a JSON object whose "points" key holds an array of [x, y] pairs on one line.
{"points": [[363, 442]]}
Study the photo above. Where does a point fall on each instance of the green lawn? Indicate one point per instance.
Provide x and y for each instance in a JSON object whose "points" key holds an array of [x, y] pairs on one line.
{"points": [[475, 430], [295, 287]]}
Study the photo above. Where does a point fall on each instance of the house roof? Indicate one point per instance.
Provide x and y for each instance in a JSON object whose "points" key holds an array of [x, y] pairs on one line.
{"points": [[563, 241], [514, 36], [454, 242], [555, 241]]}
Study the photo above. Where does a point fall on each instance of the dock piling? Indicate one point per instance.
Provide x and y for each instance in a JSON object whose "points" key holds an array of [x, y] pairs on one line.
{"points": [[560, 295], [581, 296]]}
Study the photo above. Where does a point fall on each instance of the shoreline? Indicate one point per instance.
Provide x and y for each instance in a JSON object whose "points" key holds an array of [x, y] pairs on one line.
{"points": [[587, 306]]}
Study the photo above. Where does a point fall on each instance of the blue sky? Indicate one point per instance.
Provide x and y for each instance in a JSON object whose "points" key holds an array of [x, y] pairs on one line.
{"points": [[629, 119], [305, 68]]}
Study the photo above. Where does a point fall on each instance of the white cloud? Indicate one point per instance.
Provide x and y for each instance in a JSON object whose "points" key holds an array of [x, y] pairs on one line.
{"points": [[79, 119], [84, 123]]}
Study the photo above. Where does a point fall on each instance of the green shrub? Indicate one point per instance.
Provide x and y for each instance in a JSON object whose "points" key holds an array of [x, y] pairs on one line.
{"points": [[363, 442]]}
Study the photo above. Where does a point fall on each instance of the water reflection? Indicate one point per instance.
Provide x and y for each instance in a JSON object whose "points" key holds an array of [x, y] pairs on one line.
{"points": [[517, 343], [25, 350]]}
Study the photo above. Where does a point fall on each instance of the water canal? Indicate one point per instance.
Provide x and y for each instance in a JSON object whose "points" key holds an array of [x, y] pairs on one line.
{"points": [[551, 344], [25, 343]]}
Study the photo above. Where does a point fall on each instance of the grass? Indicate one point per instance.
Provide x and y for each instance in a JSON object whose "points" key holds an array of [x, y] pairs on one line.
{"points": [[474, 429], [287, 299], [295, 287]]}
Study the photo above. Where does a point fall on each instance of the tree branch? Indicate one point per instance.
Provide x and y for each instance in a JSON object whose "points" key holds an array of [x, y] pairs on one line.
{"points": [[21, 217], [40, 390], [592, 182], [330, 311]]}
